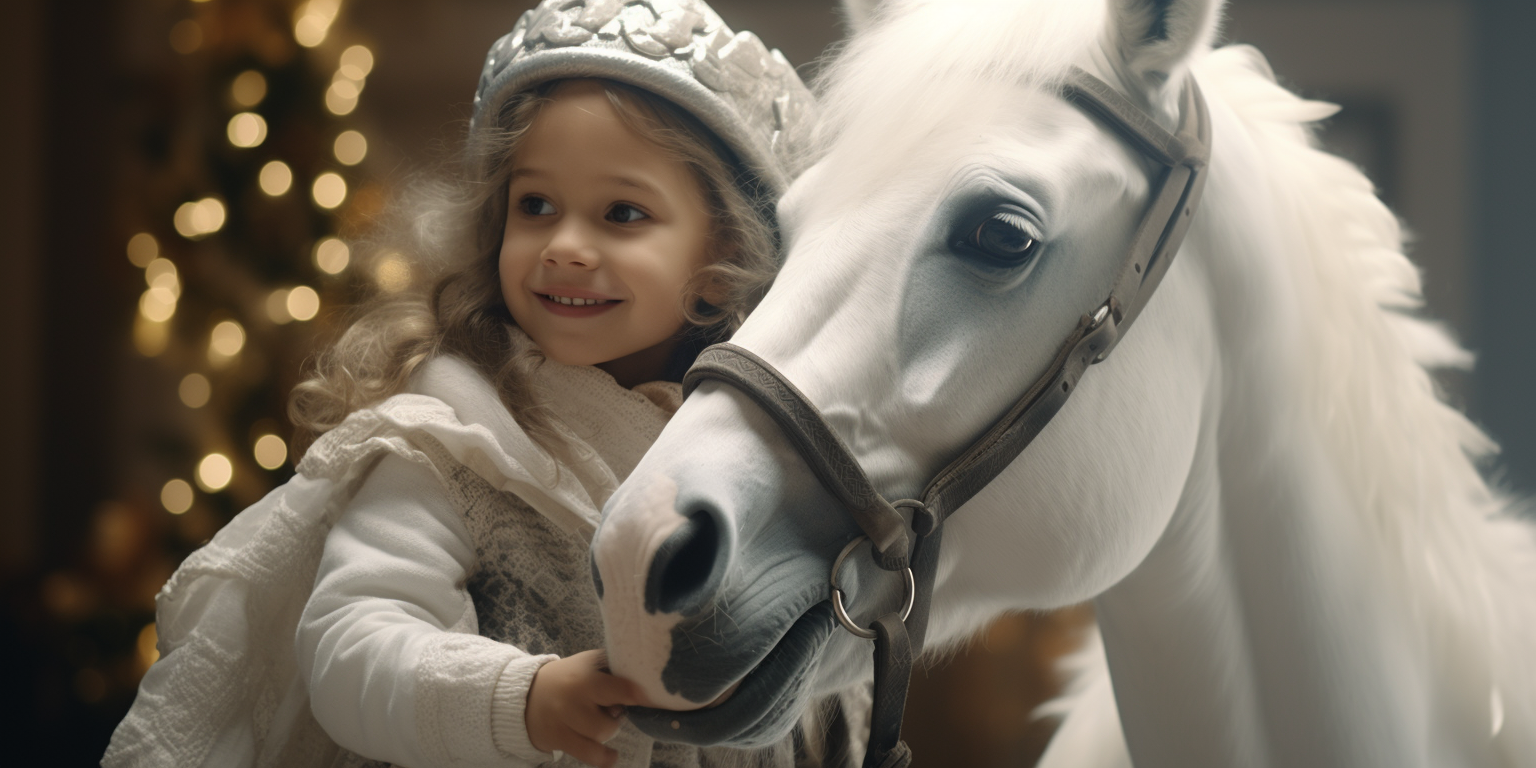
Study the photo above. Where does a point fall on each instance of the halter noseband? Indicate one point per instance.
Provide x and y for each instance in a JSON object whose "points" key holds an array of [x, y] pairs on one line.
{"points": [[899, 636]]}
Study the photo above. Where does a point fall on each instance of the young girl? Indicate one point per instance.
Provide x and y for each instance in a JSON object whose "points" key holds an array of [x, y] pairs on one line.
{"points": [[419, 593]]}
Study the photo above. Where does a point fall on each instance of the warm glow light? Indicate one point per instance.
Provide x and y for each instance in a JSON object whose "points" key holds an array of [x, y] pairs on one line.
{"points": [[214, 472], [183, 221], [303, 303], [332, 255], [277, 307], [310, 30], [161, 273], [209, 216], [271, 451], [143, 248], [341, 97], [148, 653], [186, 36], [313, 20], [149, 337], [249, 88], [356, 62], [176, 496], [157, 304], [227, 339], [276, 178], [195, 390], [196, 220], [350, 148], [247, 129], [329, 190], [392, 273]]}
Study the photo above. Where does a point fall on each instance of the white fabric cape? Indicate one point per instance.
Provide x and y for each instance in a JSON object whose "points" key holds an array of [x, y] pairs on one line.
{"points": [[225, 692]]}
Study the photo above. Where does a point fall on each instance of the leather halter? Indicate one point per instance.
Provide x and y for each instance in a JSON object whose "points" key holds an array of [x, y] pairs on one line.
{"points": [[1184, 157]]}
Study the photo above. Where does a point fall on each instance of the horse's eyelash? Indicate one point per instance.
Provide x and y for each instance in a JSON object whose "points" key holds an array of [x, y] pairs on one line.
{"points": [[1013, 220]]}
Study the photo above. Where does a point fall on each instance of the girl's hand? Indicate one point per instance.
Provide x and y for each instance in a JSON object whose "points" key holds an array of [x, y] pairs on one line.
{"points": [[574, 705]]}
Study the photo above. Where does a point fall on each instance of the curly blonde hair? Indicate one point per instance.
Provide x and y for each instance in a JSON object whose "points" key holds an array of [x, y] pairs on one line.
{"points": [[453, 230]]}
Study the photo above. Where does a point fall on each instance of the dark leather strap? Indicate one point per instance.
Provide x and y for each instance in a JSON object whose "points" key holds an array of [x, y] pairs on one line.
{"points": [[893, 670], [827, 454], [1157, 238]]}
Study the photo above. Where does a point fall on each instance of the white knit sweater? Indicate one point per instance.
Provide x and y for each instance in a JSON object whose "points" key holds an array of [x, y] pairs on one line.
{"points": [[409, 531]]}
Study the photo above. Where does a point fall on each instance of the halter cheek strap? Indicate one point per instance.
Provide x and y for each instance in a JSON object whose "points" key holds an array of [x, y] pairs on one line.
{"points": [[1184, 157]]}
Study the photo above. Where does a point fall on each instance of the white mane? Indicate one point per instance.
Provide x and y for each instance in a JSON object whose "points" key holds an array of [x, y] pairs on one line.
{"points": [[1409, 458]]}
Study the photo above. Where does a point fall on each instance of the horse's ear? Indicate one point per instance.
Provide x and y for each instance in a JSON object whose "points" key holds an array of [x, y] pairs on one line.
{"points": [[1154, 38], [859, 13]]}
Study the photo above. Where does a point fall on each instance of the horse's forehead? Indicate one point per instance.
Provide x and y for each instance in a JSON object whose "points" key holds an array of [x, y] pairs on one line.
{"points": [[1027, 136]]}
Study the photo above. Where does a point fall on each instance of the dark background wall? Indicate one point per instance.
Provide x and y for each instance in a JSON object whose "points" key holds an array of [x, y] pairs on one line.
{"points": [[1503, 96], [1439, 97]]}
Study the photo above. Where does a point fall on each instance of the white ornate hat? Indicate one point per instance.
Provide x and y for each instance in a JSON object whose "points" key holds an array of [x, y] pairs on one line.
{"points": [[680, 50]]}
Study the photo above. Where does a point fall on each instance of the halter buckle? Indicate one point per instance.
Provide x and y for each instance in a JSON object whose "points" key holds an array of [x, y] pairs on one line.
{"points": [[837, 592]]}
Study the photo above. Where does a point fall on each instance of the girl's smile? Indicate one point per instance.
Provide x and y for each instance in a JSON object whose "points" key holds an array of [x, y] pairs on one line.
{"points": [[569, 302]]}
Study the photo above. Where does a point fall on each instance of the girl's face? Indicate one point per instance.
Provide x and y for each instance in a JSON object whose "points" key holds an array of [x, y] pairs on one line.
{"points": [[603, 234]]}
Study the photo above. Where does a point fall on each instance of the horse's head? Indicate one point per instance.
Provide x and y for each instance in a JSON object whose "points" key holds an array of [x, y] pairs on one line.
{"points": [[963, 218]]}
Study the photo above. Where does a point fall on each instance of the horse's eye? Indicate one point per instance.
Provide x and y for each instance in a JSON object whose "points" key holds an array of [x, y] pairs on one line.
{"points": [[1003, 239]]}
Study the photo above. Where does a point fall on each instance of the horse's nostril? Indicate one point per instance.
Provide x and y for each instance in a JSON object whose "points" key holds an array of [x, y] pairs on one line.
{"points": [[683, 575], [597, 578]]}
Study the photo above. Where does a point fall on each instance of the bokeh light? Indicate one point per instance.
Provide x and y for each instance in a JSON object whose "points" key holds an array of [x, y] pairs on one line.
{"points": [[143, 248], [312, 21], [350, 148], [247, 130], [214, 472], [270, 451], [341, 97], [277, 307], [226, 341], [249, 88], [332, 256], [276, 178], [161, 273], [392, 273], [200, 219], [176, 496], [194, 390], [356, 62], [303, 303], [148, 653], [157, 304], [329, 190]]}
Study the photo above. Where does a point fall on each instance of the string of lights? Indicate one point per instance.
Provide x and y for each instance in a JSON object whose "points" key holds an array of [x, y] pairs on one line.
{"points": [[253, 179]]}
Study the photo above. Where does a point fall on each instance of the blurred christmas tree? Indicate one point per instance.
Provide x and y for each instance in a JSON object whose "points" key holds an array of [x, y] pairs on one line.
{"points": [[236, 201]]}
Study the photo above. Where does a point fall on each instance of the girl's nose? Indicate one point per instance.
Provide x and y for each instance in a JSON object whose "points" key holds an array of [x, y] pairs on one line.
{"points": [[570, 247]]}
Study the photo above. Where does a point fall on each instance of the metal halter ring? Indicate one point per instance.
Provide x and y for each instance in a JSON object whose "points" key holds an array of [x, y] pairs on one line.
{"points": [[837, 593]]}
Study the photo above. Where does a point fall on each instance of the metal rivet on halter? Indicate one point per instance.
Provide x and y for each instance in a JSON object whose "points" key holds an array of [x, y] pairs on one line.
{"points": [[837, 592]]}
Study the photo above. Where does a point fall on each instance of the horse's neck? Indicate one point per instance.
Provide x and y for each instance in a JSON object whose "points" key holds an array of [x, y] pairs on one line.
{"points": [[1261, 630], [1252, 634]]}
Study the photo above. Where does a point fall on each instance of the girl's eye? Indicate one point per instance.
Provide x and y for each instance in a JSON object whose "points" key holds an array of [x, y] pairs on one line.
{"points": [[1003, 239], [624, 213], [536, 206]]}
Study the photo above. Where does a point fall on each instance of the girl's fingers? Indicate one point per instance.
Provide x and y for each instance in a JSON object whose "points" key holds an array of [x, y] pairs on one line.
{"points": [[592, 722], [589, 751]]}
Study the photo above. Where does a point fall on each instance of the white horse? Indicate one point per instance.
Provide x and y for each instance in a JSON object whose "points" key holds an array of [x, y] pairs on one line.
{"points": [[1292, 555]]}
